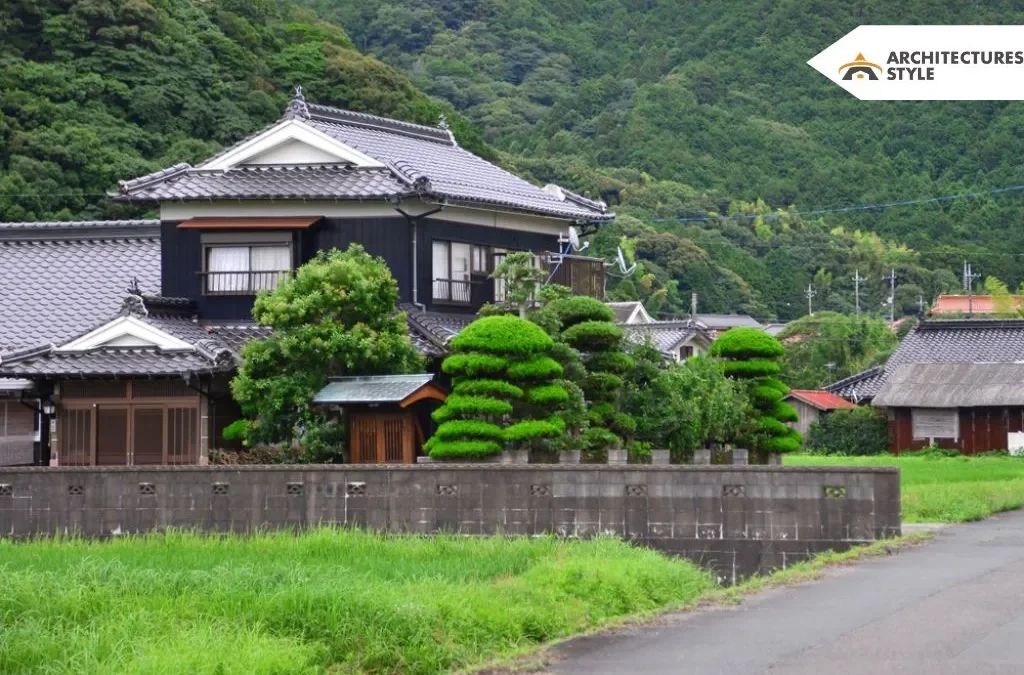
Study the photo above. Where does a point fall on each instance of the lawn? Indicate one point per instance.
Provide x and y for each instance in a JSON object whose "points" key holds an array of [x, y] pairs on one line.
{"points": [[327, 601], [946, 489]]}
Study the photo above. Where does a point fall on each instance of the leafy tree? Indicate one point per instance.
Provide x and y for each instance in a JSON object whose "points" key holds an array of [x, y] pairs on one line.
{"points": [[522, 278], [587, 327], [828, 346], [751, 355], [505, 390], [852, 432], [336, 316]]}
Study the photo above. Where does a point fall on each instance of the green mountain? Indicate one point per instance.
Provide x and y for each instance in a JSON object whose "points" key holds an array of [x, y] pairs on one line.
{"points": [[92, 91], [689, 107], [685, 111]]}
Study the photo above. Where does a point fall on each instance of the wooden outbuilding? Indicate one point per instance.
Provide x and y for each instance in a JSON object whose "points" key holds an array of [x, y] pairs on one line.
{"points": [[386, 414]]}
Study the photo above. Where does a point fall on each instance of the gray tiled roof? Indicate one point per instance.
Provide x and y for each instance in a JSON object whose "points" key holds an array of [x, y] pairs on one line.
{"points": [[420, 160], [76, 224], [665, 336], [371, 389], [432, 331], [727, 321], [277, 182], [54, 289], [942, 341], [235, 336], [110, 362]]}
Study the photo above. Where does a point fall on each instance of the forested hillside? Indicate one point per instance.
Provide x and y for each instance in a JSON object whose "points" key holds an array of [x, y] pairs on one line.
{"points": [[689, 107], [687, 110], [92, 91]]}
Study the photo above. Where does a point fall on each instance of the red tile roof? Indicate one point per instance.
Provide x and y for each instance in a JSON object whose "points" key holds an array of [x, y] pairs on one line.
{"points": [[822, 400], [976, 304]]}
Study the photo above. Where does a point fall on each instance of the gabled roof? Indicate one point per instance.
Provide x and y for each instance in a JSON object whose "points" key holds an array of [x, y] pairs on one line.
{"points": [[822, 400], [942, 341], [58, 279], [374, 389], [721, 322], [666, 336], [630, 312], [420, 161], [953, 385]]}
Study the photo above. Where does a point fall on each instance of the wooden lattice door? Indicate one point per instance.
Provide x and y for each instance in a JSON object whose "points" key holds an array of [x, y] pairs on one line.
{"points": [[381, 438], [112, 443]]}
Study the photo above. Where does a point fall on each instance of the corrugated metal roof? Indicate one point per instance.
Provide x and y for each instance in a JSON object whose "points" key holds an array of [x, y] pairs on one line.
{"points": [[822, 400], [953, 385], [371, 389]]}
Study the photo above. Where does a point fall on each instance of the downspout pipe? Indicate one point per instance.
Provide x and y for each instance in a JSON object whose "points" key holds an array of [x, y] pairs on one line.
{"points": [[413, 221]]}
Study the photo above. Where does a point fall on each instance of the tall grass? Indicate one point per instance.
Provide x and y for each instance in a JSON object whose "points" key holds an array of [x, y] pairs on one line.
{"points": [[945, 489], [327, 601]]}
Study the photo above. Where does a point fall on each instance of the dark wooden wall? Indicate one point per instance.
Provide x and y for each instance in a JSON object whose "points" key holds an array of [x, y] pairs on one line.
{"points": [[390, 238], [981, 429]]}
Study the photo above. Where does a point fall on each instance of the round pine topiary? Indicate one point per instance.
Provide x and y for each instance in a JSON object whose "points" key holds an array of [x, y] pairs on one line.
{"points": [[751, 355], [502, 392]]}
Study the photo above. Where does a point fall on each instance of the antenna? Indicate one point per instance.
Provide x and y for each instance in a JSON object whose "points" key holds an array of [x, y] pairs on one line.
{"points": [[621, 260]]}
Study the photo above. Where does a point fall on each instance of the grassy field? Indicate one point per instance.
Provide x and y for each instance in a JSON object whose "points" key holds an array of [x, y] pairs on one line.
{"points": [[947, 489], [325, 602]]}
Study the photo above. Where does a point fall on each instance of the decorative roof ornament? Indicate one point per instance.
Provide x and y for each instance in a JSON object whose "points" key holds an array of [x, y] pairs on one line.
{"points": [[442, 122], [133, 304], [297, 106]]}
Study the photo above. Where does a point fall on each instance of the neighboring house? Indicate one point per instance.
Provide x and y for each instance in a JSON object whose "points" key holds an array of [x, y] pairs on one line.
{"points": [[811, 404], [631, 312], [139, 371], [947, 305], [954, 383], [676, 340], [57, 280], [715, 324]]}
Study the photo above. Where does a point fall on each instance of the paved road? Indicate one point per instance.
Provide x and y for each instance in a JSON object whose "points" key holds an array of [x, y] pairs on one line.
{"points": [[952, 606]]}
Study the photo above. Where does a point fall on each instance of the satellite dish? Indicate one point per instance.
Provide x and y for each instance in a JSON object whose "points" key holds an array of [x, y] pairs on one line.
{"points": [[621, 259], [574, 240]]}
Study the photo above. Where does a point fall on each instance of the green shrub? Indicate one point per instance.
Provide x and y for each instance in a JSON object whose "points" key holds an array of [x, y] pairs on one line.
{"points": [[746, 343], [456, 429], [548, 394], [234, 431], [852, 432], [531, 429], [580, 308], [611, 362], [783, 411], [599, 438], [502, 335], [759, 368], [488, 388], [458, 406], [442, 449], [766, 395], [537, 368], [601, 386], [469, 365], [592, 335]]}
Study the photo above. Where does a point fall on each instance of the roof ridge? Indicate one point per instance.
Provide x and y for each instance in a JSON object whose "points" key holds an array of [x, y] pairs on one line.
{"points": [[332, 115], [126, 186]]}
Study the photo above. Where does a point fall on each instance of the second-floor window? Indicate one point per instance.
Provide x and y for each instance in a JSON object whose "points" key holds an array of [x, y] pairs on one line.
{"points": [[454, 263], [243, 269]]}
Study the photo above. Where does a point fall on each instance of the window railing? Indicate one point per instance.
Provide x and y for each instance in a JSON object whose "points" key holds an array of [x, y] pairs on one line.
{"points": [[241, 283], [453, 291]]}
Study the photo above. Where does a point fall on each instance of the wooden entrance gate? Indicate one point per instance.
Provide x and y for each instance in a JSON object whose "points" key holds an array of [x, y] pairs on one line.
{"points": [[382, 438]]}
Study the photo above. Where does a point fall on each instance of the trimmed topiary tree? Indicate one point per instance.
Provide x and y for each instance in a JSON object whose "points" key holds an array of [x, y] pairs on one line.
{"points": [[752, 356], [587, 326], [504, 390]]}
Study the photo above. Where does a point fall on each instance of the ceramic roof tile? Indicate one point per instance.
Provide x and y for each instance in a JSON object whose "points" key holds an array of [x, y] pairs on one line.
{"points": [[52, 290], [371, 389], [665, 336], [112, 362], [276, 182]]}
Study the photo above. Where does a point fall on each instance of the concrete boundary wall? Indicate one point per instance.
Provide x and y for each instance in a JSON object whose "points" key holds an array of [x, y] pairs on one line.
{"points": [[736, 520]]}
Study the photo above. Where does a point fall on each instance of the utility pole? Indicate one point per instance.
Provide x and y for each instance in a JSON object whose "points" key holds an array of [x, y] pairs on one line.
{"points": [[969, 277], [857, 278], [810, 293], [920, 305], [891, 279]]}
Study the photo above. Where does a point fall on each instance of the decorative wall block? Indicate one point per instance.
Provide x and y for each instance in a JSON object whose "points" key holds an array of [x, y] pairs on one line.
{"points": [[6, 490], [636, 490], [542, 490], [220, 489], [147, 489], [733, 490], [76, 490], [835, 491], [355, 489], [295, 489], [448, 490]]}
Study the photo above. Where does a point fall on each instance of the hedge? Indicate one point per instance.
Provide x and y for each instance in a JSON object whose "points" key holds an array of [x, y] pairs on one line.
{"points": [[751, 368], [580, 308], [854, 432], [537, 368], [456, 429], [530, 429], [440, 449], [590, 335]]}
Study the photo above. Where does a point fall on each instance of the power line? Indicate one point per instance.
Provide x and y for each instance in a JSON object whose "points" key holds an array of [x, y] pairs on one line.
{"points": [[880, 206]]}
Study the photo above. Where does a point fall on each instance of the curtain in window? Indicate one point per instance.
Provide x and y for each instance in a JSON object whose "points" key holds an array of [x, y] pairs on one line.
{"points": [[223, 260], [441, 271], [461, 254], [269, 265]]}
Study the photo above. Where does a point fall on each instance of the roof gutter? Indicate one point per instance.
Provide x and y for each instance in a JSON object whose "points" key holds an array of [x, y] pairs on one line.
{"points": [[414, 225]]}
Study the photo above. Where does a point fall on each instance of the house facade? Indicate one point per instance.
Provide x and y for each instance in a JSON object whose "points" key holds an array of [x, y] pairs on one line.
{"points": [[951, 383], [138, 372]]}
